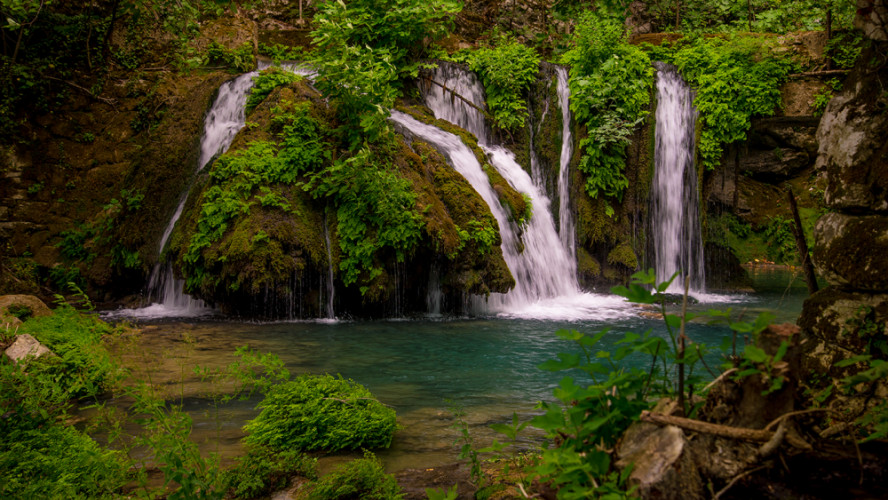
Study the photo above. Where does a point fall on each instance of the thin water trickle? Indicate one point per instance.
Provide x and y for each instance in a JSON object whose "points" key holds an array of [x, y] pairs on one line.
{"points": [[331, 289], [675, 206]]}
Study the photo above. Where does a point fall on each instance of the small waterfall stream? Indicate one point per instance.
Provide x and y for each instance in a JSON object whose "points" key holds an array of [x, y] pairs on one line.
{"points": [[675, 206], [223, 121]]}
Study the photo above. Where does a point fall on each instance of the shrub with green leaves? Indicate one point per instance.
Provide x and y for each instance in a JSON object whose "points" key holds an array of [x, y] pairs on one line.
{"points": [[58, 461], [262, 471], [83, 366], [363, 478], [265, 82], [610, 83], [507, 69], [321, 412], [376, 208], [363, 50]]}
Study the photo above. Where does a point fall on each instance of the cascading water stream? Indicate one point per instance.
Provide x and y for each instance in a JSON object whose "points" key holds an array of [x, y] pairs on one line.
{"points": [[566, 227], [544, 270], [675, 206]]}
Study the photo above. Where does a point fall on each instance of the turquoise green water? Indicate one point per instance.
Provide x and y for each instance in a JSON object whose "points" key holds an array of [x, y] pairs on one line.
{"points": [[487, 366]]}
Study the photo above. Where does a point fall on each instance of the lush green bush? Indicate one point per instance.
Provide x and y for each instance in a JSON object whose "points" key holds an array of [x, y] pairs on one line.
{"points": [[57, 461], [376, 208], [363, 478], [239, 59], [610, 84], [265, 82], [363, 48], [506, 70], [263, 471], [84, 366], [321, 413]]}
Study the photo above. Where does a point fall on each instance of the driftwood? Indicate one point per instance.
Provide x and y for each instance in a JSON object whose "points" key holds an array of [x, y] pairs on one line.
{"points": [[86, 91], [771, 438], [801, 244], [428, 79], [828, 72]]}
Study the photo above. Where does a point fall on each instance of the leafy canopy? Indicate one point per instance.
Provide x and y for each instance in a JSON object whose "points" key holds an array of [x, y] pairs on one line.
{"points": [[362, 50]]}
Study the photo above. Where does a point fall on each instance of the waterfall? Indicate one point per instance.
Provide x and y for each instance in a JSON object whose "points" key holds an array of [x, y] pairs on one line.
{"points": [[543, 267], [675, 207], [331, 289], [566, 226]]}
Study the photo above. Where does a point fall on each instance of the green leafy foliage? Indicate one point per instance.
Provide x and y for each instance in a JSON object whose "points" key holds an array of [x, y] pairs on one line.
{"points": [[363, 48], [321, 413], [610, 84], [280, 53], [263, 471], [83, 366], [58, 461], [239, 60], [825, 94], [597, 409], [363, 478], [265, 82], [781, 240], [376, 208], [735, 78], [507, 69]]}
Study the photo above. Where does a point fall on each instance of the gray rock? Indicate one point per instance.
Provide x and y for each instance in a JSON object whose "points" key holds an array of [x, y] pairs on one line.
{"points": [[837, 318], [872, 19], [850, 251], [852, 150], [24, 346]]}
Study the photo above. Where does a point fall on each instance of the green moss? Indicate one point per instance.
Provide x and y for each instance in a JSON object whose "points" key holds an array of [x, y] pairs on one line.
{"points": [[587, 266], [623, 254], [508, 196]]}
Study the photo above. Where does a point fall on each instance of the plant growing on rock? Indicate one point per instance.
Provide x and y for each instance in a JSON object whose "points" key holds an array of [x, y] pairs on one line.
{"points": [[321, 413], [507, 69], [610, 84]]}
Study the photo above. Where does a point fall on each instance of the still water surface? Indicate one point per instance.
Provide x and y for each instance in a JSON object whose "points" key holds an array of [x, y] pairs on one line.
{"points": [[421, 367]]}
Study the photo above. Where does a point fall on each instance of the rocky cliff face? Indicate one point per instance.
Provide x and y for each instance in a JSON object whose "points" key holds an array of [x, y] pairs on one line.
{"points": [[850, 317]]}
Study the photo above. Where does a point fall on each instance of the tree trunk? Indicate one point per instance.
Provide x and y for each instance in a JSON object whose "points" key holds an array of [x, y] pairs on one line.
{"points": [[107, 40], [802, 245], [829, 61]]}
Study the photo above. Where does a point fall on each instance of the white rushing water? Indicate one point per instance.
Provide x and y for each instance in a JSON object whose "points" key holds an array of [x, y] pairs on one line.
{"points": [[675, 205], [543, 266], [566, 226]]}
